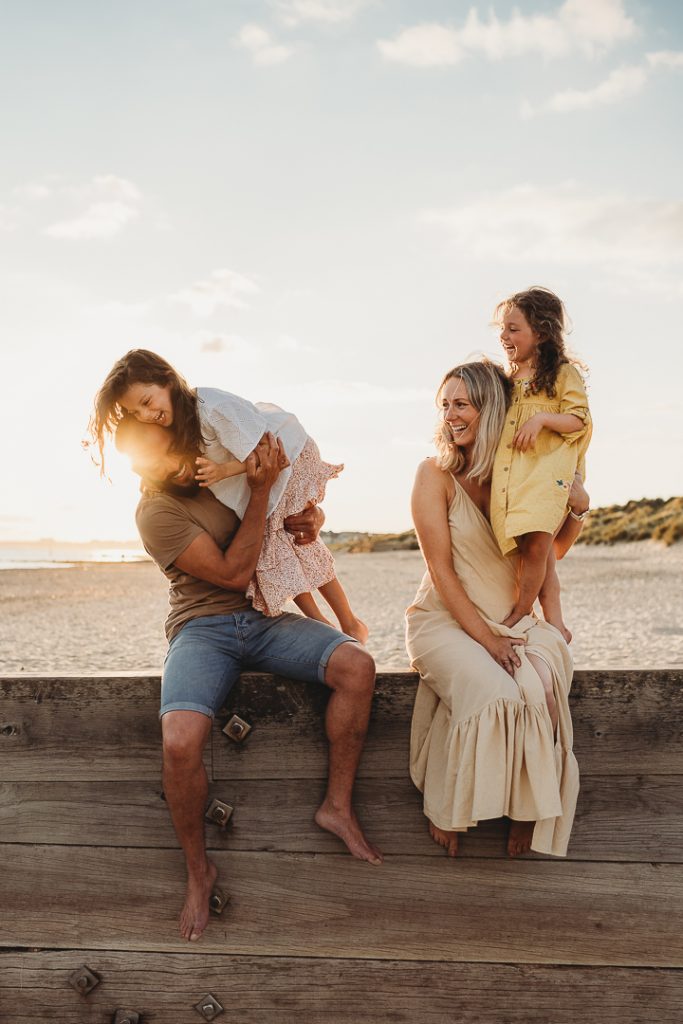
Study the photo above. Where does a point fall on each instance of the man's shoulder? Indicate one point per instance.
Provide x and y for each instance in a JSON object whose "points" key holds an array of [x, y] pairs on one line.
{"points": [[154, 506]]}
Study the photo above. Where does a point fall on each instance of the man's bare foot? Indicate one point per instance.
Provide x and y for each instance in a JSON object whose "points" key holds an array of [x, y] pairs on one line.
{"points": [[194, 916], [519, 837], [357, 629], [346, 826], [449, 840]]}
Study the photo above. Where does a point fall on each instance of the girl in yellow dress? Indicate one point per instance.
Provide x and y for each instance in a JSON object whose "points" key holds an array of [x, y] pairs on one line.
{"points": [[542, 447]]}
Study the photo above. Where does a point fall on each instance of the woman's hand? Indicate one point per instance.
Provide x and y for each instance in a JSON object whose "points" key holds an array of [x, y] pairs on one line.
{"points": [[525, 437], [502, 650], [305, 526]]}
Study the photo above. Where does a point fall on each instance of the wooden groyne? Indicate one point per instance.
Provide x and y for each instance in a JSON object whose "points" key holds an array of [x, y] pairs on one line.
{"points": [[91, 874]]}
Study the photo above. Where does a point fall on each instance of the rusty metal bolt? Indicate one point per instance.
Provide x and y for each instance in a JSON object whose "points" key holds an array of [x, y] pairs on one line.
{"points": [[84, 980], [208, 1007], [218, 901], [126, 1017], [237, 729], [219, 812]]}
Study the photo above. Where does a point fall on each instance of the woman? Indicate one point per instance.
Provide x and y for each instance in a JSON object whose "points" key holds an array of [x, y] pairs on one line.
{"points": [[491, 731]]}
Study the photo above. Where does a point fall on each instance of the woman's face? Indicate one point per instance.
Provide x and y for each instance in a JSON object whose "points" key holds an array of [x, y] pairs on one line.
{"points": [[458, 412], [149, 403]]}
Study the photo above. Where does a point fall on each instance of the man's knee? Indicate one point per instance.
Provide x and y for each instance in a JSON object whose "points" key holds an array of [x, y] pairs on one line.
{"points": [[184, 735], [351, 669]]}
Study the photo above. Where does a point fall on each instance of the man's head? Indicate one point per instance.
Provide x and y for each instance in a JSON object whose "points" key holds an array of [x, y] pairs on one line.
{"points": [[149, 447]]}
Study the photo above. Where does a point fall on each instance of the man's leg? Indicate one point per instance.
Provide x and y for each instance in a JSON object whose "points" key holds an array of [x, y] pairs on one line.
{"points": [[186, 789], [350, 674]]}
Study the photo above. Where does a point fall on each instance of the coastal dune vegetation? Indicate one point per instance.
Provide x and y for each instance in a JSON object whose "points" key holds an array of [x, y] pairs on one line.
{"points": [[658, 519]]}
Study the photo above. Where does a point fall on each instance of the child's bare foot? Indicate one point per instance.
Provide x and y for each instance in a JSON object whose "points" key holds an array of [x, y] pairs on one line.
{"points": [[449, 840], [194, 916], [357, 629], [346, 826], [519, 837]]}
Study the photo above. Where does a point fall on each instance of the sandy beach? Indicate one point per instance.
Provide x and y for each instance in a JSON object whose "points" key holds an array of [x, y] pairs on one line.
{"points": [[623, 604]]}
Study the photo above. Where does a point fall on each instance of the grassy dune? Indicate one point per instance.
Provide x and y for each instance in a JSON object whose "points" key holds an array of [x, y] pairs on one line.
{"points": [[648, 519]]}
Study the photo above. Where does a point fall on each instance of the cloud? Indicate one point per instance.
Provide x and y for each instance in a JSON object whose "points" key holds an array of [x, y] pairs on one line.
{"points": [[566, 224], [584, 26], [619, 85], [286, 343], [260, 44], [33, 191], [241, 351], [110, 204], [293, 12], [222, 288], [665, 59]]}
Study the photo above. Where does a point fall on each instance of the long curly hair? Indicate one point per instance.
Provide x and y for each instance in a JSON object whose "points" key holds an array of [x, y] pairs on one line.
{"points": [[489, 389], [548, 319], [140, 366]]}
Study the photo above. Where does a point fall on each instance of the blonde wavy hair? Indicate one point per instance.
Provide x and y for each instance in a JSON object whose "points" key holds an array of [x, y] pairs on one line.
{"points": [[489, 389]]}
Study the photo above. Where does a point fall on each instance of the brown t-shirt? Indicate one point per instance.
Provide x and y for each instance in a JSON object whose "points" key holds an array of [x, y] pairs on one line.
{"points": [[167, 526]]}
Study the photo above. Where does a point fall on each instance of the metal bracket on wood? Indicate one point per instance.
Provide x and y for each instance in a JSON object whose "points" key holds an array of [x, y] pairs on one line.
{"points": [[237, 729], [219, 813], [126, 1017], [84, 980], [208, 1007], [218, 901]]}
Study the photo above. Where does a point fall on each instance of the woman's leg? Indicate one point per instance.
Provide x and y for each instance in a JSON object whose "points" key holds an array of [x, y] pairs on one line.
{"points": [[534, 548], [335, 595]]}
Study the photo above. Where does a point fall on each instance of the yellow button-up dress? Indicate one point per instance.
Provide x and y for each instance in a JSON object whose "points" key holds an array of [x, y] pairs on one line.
{"points": [[529, 490]]}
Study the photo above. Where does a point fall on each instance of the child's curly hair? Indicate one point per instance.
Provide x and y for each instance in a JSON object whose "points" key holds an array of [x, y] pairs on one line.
{"points": [[547, 317], [140, 366]]}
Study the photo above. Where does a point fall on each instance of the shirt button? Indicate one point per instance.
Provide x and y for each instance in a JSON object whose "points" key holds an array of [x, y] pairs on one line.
{"points": [[505, 469], [512, 423], [508, 446], [503, 490]]}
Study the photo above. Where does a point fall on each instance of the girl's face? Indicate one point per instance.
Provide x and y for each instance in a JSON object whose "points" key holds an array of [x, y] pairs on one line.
{"points": [[149, 403], [518, 339], [458, 412]]}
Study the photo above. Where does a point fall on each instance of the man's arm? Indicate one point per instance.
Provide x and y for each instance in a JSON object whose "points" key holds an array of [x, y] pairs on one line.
{"points": [[232, 569]]}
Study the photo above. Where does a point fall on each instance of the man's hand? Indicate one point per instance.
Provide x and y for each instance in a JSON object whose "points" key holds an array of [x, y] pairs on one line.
{"points": [[265, 462], [305, 526], [525, 437]]}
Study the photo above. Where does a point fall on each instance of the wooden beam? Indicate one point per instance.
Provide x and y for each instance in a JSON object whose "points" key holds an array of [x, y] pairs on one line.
{"points": [[165, 987], [411, 908], [619, 818]]}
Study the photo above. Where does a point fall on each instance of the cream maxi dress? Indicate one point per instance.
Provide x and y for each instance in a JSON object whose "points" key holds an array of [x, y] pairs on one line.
{"points": [[482, 742]]}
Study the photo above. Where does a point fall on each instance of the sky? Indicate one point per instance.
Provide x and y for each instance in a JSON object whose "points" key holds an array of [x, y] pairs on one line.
{"points": [[318, 203]]}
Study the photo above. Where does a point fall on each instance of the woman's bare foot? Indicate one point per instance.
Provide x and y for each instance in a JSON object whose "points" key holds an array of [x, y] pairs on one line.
{"points": [[519, 837], [357, 629], [346, 826], [449, 840], [194, 916]]}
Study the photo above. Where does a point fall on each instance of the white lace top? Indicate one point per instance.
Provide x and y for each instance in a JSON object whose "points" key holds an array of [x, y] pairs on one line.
{"points": [[232, 427]]}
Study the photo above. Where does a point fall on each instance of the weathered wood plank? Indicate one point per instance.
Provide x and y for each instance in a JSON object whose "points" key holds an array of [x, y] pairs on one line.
{"points": [[165, 987], [411, 908], [80, 728], [106, 728], [621, 720], [619, 818]]}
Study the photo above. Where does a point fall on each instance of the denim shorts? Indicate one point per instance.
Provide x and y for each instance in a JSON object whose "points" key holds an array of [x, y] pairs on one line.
{"points": [[205, 658]]}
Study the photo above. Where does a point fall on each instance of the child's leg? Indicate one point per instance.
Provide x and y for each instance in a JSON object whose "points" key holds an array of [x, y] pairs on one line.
{"points": [[334, 594], [307, 604], [547, 680], [549, 597], [534, 548]]}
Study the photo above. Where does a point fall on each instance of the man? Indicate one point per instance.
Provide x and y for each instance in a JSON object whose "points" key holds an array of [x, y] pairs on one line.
{"points": [[209, 558]]}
